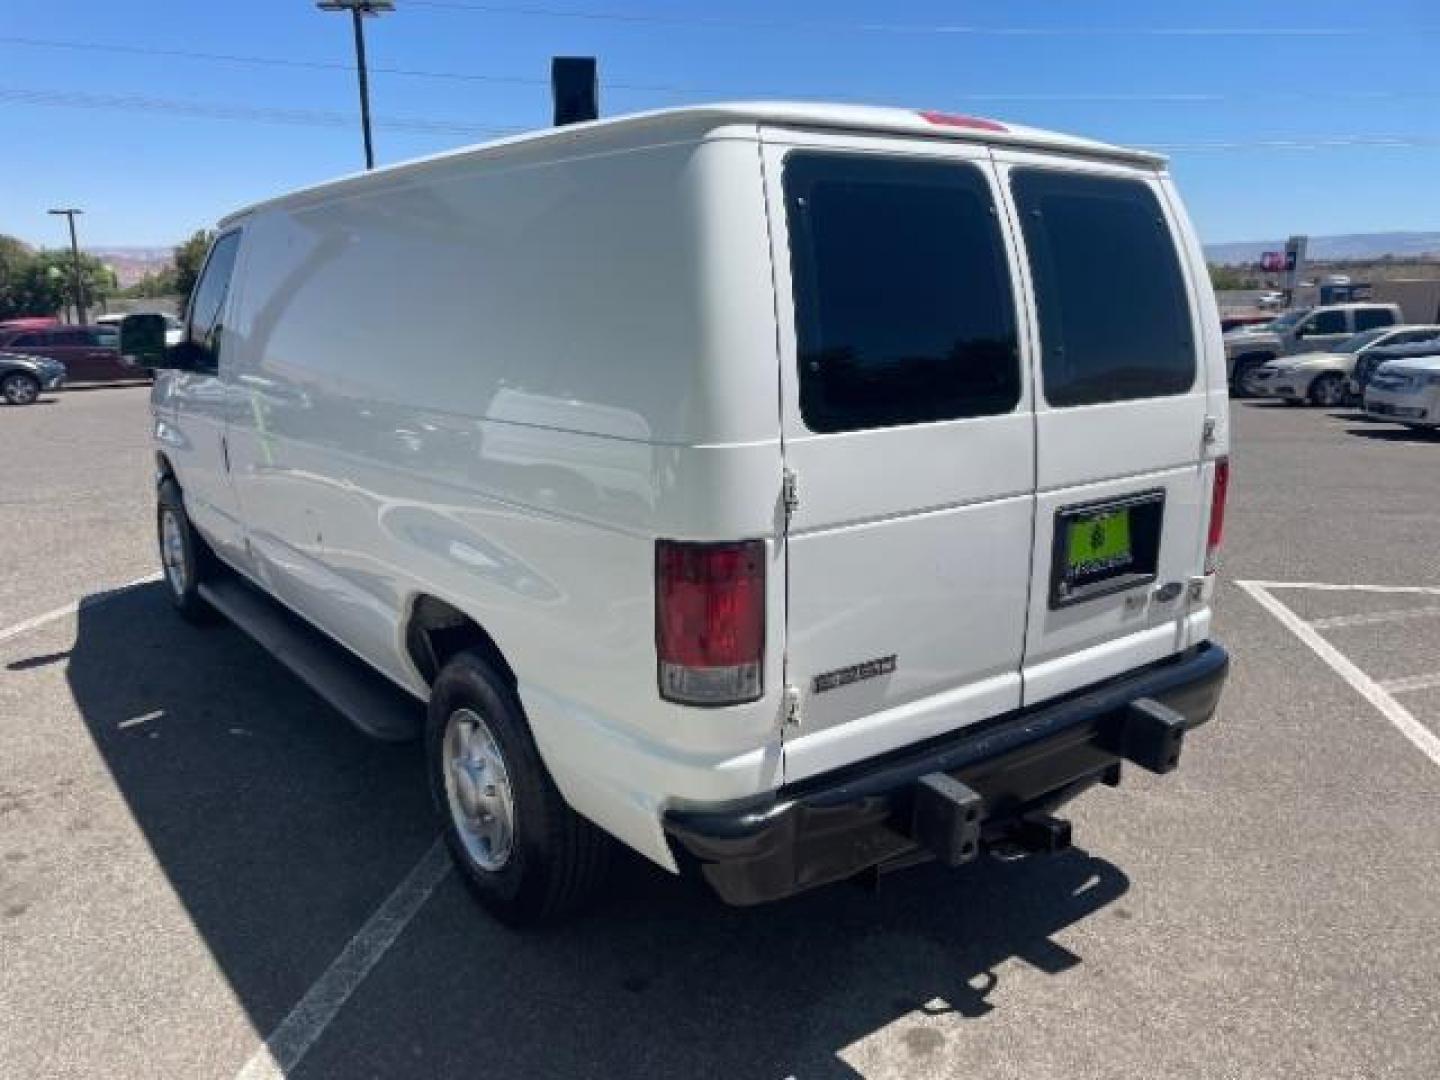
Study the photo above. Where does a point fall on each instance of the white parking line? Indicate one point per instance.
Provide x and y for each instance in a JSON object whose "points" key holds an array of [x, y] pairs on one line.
{"points": [[1370, 618], [289, 1042], [1422, 737], [1325, 586], [1412, 683], [71, 608]]}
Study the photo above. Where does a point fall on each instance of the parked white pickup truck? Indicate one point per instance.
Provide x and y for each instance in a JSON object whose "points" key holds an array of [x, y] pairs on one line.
{"points": [[781, 490]]}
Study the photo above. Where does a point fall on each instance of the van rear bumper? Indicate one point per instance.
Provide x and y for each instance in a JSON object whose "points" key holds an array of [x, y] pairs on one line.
{"points": [[1014, 770]]}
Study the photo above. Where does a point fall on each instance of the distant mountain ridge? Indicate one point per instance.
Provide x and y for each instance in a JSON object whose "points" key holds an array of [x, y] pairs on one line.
{"points": [[133, 263], [1350, 246]]}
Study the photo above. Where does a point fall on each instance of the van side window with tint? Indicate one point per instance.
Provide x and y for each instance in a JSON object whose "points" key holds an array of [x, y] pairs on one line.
{"points": [[903, 306], [208, 301], [1114, 318]]}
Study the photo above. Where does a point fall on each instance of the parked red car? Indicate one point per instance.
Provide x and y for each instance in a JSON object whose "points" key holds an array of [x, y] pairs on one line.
{"points": [[89, 353]]}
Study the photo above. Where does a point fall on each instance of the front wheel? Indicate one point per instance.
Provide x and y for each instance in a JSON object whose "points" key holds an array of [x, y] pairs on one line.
{"points": [[1244, 368], [1328, 390], [523, 853], [183, 555], [17, 388]]}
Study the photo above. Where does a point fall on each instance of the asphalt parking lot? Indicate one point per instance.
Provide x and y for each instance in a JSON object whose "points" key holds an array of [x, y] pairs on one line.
{"points": [[196, 856]]}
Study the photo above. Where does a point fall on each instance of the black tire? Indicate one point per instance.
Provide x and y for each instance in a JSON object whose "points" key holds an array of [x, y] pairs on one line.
{"points": [[556, 860], [1244, 365], [19, 388], [1328, 390], [196, 562]]}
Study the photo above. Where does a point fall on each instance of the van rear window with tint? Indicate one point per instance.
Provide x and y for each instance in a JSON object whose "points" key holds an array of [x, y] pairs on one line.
{"points": [[1114, 321], [903, 306]]}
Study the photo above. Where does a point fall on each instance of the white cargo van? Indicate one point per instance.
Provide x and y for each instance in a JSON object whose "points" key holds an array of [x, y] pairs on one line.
{"points": [[789, 492]]}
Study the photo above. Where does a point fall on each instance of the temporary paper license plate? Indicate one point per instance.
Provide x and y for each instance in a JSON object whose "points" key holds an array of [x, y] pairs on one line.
{"points": [[1101, 548], [1098, 544]]}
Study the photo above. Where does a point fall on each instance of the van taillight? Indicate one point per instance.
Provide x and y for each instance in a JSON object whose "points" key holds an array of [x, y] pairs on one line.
{"points": [[710, 621], [1217, 514]]}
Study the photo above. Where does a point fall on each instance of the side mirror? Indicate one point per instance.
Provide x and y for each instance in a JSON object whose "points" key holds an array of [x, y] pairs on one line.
{"points": [[142, 340]]}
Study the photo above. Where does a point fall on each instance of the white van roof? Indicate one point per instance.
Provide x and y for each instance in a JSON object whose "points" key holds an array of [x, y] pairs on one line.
{"points": [[696, 121]]}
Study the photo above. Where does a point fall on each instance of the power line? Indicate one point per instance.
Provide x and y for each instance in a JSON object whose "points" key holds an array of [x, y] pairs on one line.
{"points": [[422, 125], [269, 61], [1061, 97], [726, 22], [1306, 143], [75, 99], [288, 62]]}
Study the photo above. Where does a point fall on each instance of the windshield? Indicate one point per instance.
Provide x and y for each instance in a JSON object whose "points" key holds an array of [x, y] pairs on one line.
{"points": [[1360, 340], [1284, 322]]}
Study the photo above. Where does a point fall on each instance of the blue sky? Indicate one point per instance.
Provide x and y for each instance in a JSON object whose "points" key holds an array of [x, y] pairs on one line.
{"points": [[113, 129]]}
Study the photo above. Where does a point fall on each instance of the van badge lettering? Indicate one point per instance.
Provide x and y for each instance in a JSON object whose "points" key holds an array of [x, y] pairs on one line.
{"points": [[868, 669]]}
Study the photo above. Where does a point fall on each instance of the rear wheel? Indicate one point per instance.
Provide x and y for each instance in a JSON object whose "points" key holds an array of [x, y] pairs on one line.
{"points": [[18, 388], [1328, 390], [523, 853], [184, 556]]}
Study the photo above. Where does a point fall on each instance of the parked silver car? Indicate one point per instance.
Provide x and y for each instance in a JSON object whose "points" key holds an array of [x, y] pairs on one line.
{"points": [[1323, 378]]}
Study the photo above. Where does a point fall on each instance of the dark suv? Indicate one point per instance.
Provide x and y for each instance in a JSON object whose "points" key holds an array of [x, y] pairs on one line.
{"points": [[89, 353]]}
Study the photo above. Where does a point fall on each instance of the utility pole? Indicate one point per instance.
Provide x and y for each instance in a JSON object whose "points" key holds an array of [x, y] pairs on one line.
{"points": [[358, 10], [69, 213]]}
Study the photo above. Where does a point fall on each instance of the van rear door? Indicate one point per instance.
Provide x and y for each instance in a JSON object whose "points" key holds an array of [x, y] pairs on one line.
{"points": [[1121, 418], [909, 433]]}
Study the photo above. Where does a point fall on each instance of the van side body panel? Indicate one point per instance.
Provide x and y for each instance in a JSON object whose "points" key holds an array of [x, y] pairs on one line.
{"points": [[585, 363]]}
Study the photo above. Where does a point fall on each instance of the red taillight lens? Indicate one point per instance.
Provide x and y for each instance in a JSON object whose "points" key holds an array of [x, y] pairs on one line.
{"points": [[710, 621], [944, 119], [1217, 515]]}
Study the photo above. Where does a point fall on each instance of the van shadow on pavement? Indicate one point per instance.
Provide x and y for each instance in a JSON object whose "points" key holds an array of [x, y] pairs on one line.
{"points": [[281, 830]]}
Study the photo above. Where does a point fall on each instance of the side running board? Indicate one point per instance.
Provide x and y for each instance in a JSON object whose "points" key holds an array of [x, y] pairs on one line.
{"points": [[363, 696]]}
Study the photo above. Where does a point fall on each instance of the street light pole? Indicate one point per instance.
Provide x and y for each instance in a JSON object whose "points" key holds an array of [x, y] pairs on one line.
{"points": [[69, 214], [358, 10]]}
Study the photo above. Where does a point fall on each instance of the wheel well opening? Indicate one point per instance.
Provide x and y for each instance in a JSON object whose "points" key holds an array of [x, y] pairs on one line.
{"points": [[437, 631]]}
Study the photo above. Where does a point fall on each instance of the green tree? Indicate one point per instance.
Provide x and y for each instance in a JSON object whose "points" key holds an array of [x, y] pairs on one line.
{"points": [[189, 257], [43, 282], [1227, 278], [160, 283], [36, 288], [14, 256]]}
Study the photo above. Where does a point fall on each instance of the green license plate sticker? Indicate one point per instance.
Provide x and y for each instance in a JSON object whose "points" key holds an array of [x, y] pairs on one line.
{"points": [[1098, 543]]}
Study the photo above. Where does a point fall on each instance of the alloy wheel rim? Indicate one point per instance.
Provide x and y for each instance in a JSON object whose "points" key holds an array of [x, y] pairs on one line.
{"points": [[20, 390], [1328, 392], [172, 552], [477, 789]]}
